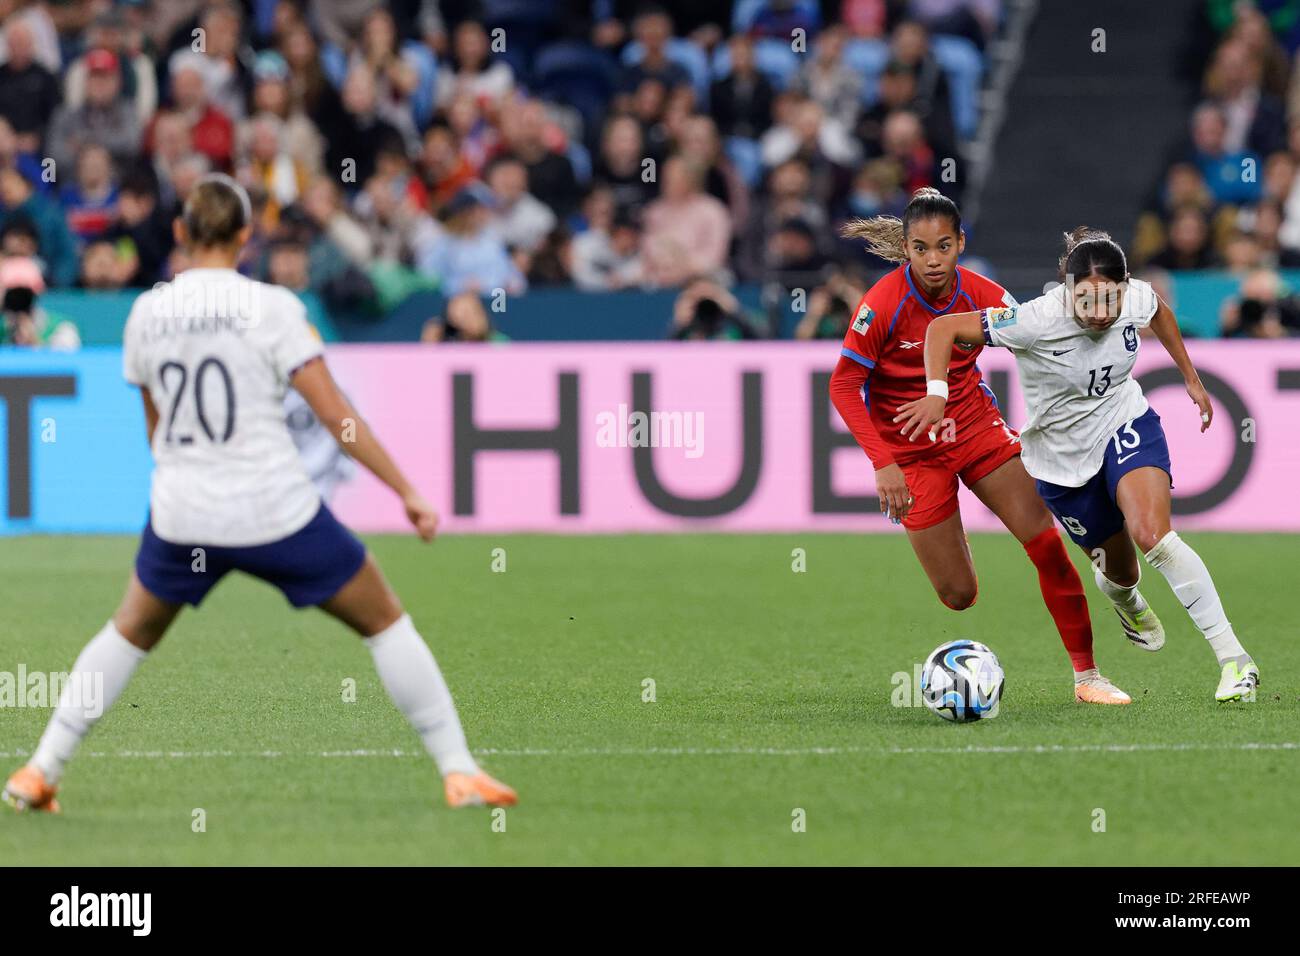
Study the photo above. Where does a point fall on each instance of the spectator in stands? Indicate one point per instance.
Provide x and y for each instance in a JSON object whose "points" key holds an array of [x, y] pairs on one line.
{"points": [[1183, 186], [1190, 245], [898, 91], [322, 203], [687, 231], [830, 308], [706, 310], [103, 117], [778, 19], [698, 143], [1264, 222], [471, 72], [443, 168], [1264, 309], [794, 260], [909, 45], [103, 267], [362, 133], [821, 142], [221, 62], [210, 130], [606, 257], [265, 162], [1242, 253], [552, 263], [467, 256], [1255, 120], [529, 139], [11, 157], [788, 197], [25, 322], [652, 28], [55, 244], [143, 231], [137, 79], [903, 140], [827, 80], [621, 163], [741, 102], [29, 92], [466, 320], [1224, 169], [519, 218], [301, 138], [311, 91], [90, 201], [404, 70]]}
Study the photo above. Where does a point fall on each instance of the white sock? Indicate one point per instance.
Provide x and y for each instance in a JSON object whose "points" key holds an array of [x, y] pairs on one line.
{"points": [[1126, 599], [98, 677], [1190, 579], [410, 675]]}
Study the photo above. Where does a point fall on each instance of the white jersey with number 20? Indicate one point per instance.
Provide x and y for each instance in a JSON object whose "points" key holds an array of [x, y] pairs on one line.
{"points": [[1078, 385], [216, 350]]}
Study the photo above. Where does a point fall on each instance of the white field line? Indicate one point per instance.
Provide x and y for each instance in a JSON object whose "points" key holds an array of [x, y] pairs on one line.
{"points": [[697, 751]]}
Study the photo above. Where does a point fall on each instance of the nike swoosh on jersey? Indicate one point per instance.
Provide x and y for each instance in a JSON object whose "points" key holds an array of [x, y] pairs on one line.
{"points": [[1062, 352], [1120, 461]]}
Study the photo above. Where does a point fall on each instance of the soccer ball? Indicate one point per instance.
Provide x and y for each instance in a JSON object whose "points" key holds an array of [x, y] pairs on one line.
{"points": [[962, 681]]}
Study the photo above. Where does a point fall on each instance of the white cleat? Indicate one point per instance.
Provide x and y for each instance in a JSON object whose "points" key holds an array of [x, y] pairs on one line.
{"points": [[1238, 682], [1143, 629], [1092, 688]]}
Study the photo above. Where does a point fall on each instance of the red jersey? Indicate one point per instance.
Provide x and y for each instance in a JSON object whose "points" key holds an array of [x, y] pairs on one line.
{"points": [[882, 363]]}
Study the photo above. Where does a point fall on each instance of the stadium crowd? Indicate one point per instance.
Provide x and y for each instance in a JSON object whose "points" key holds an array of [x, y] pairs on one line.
{"points": [[1230, 196], [477, 146]]}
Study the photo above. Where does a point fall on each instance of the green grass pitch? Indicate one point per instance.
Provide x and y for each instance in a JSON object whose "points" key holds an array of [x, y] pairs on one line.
{"points": [[773, 695]]}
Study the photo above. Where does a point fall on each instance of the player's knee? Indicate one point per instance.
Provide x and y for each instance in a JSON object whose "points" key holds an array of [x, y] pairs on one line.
{"points": [[959, 597], [1124, 578], [1147, 533]]}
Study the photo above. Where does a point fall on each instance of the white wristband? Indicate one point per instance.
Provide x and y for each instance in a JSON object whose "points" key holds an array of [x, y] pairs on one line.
{"points": [[938, 387]]}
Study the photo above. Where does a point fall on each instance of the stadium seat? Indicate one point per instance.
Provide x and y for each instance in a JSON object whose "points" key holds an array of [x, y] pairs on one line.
{"points": [[964, 64], [868, 58], [579, 76]]}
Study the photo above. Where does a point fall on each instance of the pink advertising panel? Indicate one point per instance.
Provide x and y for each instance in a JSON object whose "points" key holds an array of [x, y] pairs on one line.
{"points": [[741, 436]]}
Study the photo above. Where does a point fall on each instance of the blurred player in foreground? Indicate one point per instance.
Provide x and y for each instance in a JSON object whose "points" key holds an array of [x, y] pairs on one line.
{"points": [[1093, 442], [212, 354], [881, 369]]}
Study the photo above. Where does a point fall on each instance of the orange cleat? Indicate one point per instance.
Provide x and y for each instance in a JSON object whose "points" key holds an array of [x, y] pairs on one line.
{"points": [[1095, 689], [27, 790], [477, 790]]}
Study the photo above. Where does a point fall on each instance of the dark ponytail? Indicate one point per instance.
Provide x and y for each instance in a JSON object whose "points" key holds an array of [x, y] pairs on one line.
{"points": [[886, 236], [1092, 252]]}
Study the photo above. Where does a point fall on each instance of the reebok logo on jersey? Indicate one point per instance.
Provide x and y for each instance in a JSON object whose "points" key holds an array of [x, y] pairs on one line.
{"points": [[910, 345], [863, 318]]}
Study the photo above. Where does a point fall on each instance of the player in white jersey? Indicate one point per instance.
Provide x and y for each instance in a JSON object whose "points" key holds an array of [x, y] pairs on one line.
{"points": [[1093, 443], [213, 354]]}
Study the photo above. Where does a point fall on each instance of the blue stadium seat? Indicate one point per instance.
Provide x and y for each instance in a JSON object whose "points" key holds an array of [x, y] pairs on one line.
{"points": [[964, 64], [868, 58], [579, 76], [747, 156]]}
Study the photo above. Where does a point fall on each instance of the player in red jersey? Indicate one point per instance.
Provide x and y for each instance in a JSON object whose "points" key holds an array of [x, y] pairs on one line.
{"points": [[882, 367]]}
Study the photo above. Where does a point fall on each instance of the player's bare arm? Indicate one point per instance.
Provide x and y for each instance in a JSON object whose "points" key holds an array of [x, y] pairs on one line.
{"points": [[318, 388], [1165, 325], [921, 416], [150, 414]]}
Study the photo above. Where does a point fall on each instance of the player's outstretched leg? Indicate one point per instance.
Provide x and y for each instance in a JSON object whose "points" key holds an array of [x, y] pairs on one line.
{"points": [[1143, 496], [1010, 494], [98, 677], [1119, 582], [409, 673]]}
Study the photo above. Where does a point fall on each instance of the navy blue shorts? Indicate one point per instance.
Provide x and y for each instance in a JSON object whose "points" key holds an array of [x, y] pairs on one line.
{"points": [[1089, 513], [309, 566]]}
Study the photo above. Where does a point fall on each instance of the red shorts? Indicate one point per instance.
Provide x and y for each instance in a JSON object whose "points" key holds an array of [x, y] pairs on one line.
{"points": [[932, 478]]}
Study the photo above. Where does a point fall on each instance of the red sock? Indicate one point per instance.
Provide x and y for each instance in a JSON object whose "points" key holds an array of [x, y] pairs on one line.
{"points": [[1063, 594]]}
